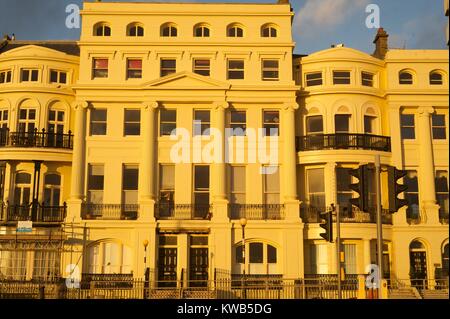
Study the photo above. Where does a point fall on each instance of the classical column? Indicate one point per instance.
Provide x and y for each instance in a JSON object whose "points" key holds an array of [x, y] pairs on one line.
{"points": [[426, 166], [148, 165], [220, 167], [290, 162], [78, 162], [79, 149]]}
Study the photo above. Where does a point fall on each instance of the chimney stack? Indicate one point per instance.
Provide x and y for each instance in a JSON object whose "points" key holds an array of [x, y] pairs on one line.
{"points": [[283, 2], [381, 44]]}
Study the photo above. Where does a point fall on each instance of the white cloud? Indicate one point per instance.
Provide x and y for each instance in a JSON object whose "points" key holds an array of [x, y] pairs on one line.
{"points": [[325, 14]]}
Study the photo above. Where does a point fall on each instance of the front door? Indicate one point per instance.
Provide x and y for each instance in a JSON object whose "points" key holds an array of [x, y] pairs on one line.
{"points": [[198, 267], [167, 267], [418, 273]]}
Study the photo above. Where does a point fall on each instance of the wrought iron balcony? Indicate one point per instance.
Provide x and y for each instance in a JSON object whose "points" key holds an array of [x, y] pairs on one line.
{"points": [[311, 214], [35, 138], [38, 213], [257, 211], [168, 210], [343, 141], [110, 211]]}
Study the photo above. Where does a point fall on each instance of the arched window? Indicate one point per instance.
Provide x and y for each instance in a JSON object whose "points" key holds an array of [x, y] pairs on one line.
{"points": [[109, 258], [52, 190], [201, 31], [135, 30], [405, 77], [235, 31], [169, 30], [370, 121], [102, 29], [260, 258], [418, 264], [436, 78], [22, 188], [269, 31]]}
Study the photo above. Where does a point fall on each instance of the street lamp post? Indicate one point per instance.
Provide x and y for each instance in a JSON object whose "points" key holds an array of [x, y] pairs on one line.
{"points": [[146, 270], [243, 222]]}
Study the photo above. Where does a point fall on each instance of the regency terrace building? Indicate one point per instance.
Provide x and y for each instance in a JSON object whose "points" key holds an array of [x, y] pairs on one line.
{"points": [[87, 140]]}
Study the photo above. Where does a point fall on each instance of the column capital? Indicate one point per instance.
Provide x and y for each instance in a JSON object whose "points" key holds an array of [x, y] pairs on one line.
{"points": [[221, 105], [425, 110], [150, 105], [80, 105], [291, 106]]}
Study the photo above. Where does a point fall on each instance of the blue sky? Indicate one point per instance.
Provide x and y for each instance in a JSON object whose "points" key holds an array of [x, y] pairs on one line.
{"points": [[413, 24]]}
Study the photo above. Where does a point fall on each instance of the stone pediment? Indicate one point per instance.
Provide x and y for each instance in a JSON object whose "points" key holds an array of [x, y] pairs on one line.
{"points": [[186, 80]]}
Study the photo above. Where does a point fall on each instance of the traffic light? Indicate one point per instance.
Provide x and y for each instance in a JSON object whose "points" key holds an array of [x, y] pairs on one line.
{"points": [[361, 187], [395, 189], [327, 224]]}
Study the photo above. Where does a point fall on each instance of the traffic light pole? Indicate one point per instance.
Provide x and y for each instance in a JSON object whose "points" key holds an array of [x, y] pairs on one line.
{"points": [[379, 224], [338, 250]]}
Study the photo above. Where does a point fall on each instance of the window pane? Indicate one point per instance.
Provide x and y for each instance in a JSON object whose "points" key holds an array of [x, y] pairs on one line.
{"points": [[167, 177], [238, 179], [100, 63], [168, 63], [272, 181], [98, 115], [342, 123], [368, 124], [201, 177], [238, 117], [271, 254], [53, 76], [203, 116], [441, 182], [256, 253], [135, 64], [52, 179], [316, 180], [239, 256], [438, 120], [132, 115], [96, 177], [130, 177], [168, 115], [314, 124], [23, 178], [34, 75]]}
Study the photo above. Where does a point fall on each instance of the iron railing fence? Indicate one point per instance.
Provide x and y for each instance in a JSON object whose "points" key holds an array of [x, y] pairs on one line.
{"points": [[257, 211], [183, 211], [36, 139], [226, 288], [35, 212], [316, 142], [110, 211]]}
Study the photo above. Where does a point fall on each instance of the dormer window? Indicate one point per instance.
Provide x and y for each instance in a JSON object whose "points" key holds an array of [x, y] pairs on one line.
{"points": [[102, 30], [235, 31], [436, 78], [169, 30], [269, 31], [58, 77], [135, 30], [201, 31], [341, 77], [29, 75], [405, 77]]}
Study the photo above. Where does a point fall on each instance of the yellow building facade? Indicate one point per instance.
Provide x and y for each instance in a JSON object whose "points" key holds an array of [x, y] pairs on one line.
{"points": [[134, 167]]}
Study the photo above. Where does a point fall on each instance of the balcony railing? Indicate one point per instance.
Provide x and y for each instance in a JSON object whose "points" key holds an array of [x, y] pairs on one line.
{"points": [[35, 139], [343, 141], [39, 213], [257, 211], [310, 214], [183, 211], [110, 211]]}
